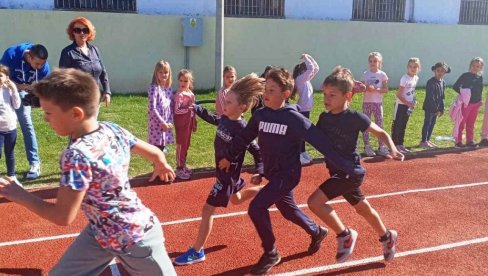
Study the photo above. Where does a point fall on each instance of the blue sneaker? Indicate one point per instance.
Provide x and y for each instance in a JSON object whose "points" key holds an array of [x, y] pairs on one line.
{"points": [[190, 257]]}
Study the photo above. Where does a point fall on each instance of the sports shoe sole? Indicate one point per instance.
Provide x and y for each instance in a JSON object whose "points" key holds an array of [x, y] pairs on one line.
{"points": [[190, 262], [344, 257], [394, 237]]}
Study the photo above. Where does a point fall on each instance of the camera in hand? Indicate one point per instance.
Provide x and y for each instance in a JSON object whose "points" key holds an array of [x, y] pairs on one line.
{"points": [[31, 100]]}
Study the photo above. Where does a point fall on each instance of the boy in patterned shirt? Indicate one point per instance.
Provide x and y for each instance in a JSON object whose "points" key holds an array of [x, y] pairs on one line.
{"points": [[94, 175]]}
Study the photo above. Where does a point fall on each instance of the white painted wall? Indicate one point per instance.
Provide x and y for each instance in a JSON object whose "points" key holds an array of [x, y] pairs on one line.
{"points": [[437, 11], [425, 11]]}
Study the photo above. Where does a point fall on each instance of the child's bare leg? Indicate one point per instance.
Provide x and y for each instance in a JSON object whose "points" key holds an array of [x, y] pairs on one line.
{"points": [[317, 203], [205, 226], [371, 216], [245, 194]]}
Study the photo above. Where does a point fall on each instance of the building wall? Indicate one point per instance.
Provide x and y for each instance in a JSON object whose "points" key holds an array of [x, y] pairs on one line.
{"points": [[131, 44], [431, 11]]}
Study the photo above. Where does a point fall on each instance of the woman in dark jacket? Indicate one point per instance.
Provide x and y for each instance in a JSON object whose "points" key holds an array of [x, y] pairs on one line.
{"points": [[85, 56]]}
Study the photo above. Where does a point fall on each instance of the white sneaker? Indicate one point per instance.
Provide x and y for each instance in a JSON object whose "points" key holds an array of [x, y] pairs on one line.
{"points": [[345, 246], [34, 171], [369, 151], [389, 246], [182, 174], [383, 151], [15, 180], [304, 160]]}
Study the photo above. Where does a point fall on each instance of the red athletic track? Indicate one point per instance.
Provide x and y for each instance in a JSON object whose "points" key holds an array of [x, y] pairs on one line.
{"points": [[423, 220]]}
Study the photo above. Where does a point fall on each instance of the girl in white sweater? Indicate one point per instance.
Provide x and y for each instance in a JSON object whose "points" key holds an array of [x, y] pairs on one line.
{"points": [[9, 101]]}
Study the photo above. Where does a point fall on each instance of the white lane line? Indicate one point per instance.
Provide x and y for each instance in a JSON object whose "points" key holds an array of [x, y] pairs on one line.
{"points": [[188, 220], [380, 258]]}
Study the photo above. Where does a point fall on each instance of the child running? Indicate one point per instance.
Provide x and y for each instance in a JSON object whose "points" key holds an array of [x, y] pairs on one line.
{"points": [[303, 73], [405, 103], [184, 121], [230, 75], [229, 184], [433, 103], [9, 102], [94, 176], [160, 113], [472, 80], [343, 125], [376, 82], [280, 129]]}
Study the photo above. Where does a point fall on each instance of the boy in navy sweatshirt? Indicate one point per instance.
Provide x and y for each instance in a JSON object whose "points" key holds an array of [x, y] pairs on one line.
{"points": [[343, 126], [280, 129]]}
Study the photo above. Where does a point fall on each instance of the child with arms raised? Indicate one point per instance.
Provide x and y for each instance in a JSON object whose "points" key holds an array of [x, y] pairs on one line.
{"points": [[343, 125], [94, 176], [239, 99], [160, 113], [303, 73], [281, 129], [9, 101]]}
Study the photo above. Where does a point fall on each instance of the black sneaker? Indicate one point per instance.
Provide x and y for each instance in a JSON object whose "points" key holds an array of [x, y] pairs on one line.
{"points": [[459, 145], [483, 143], [471, 145], [265, 263], [317, 240]]}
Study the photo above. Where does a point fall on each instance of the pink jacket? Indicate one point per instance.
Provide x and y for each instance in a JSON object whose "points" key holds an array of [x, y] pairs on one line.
{"points": [[455, 111]]}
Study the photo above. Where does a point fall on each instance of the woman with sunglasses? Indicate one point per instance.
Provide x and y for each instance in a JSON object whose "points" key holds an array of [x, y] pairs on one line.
{"points": [[84, 56]]}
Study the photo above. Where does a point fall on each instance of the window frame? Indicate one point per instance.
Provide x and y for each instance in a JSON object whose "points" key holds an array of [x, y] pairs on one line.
{"points": [[92, 5]]}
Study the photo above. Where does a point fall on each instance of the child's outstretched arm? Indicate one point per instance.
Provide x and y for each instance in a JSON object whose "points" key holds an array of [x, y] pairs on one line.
{"points": [[206, 115], [385, 138], [61, 212], [156, 156]]}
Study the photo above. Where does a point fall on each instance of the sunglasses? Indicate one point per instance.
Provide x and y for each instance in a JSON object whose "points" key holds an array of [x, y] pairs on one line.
{"points": [[81, 30]]}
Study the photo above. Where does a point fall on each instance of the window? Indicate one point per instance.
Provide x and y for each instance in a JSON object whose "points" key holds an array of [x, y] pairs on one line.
{"points": [[474, 12], [379, 10], [255, 8], [128, 6]]}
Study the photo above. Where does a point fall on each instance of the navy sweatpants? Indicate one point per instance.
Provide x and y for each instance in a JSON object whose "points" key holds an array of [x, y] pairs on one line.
{"points": [[278, 191]]}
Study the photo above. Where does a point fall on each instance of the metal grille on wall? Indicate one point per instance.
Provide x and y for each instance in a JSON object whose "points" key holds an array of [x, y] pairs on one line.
{"points": [[127, 6], [379, 10], [255, 8], [474, 12]]}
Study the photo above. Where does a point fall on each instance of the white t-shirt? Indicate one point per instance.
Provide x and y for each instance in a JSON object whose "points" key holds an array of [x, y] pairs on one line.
{"points": [[375, 79], [408, 83]]}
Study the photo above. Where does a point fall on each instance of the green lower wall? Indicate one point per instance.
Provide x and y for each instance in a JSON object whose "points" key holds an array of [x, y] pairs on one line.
{"points": [[131, 44]]}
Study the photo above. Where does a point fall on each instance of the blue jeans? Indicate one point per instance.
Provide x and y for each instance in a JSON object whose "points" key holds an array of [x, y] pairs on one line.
{"points": [[28, 131], [428, 127], [8, 138]]}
